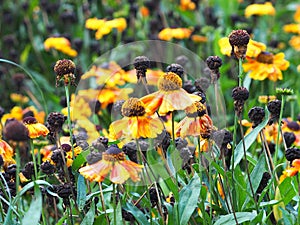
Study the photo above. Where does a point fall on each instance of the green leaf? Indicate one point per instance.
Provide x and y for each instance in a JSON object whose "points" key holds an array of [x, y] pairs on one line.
{"points": [[188, 199], [249, 139], [79, 160], [174, 159], [287, 190], [241, 217], [32, 216], [138, 214], [172, 214], [81, 192], [89, 217]]}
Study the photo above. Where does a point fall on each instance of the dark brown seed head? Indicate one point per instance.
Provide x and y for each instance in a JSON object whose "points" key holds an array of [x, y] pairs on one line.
{"points": [[55, 121], [15, 130], [256, 115], [240, 94], [64, 67], [141, 63], [47, 168], [239, 38], [289, 138], [274, 107], [176, 68], [292, 153], [214, 62]]}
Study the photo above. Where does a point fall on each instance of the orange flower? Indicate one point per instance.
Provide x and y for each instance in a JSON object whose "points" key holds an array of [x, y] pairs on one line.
{"points": [[294, 169], [144, 11], [198, 38], [114, 162], [297, 14], [292, 28], [35, 129], [196, 122], [7, 153], [266, 65], [136, 123], [253, 47], [169, 97], [187, 5], [260, 9]]}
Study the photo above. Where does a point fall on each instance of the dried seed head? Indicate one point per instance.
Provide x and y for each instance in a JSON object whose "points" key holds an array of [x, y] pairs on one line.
{"points": [[47, 168], [55, 121], [189, 86], [28, 170], [170, 81], [256, 115], [292, 153], [263, 183], [214, 62], [93, 157], [274, 108], [202, 84], [141, 64], [176, 68], [15, 130], [65, 69], [240, 93], [289, 138], [239, 40]]}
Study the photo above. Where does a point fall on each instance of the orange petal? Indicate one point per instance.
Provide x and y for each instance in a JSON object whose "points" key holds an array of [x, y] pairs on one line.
{"points": [[119, 174], [97, 171]]}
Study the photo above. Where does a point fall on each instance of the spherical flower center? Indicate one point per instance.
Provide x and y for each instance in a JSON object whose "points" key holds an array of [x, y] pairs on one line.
{"points": [[265, 57], [113, 154], [169, 82], [133, 107]]}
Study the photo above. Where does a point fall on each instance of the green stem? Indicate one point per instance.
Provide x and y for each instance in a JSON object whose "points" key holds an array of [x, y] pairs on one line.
{"points": [[33, 159], [114, 204], [18, 164], [69, 118], [278, 130], [240, 72], [103, 203], [173, 128]]}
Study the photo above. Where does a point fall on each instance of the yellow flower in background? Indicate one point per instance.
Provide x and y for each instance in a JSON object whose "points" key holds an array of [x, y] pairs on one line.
{"points": [[187, 5], [114, 162], [295, 42], [266, 98], [94, 23], [292, 28], [136, 122], [297, 14], [294, 169], [179, 33], [16, 112], [260, 9], [60, 44], [198, 38], [35, 128], [253, 47], [104, 27], [18, 98], [266, 66]]}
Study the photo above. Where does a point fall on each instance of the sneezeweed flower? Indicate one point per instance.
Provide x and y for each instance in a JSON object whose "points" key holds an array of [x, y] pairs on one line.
{"points": [[114, 162], [293, 170], [266, 98], [266, 66], [19, 98], [104, 27], [15, 130], [253, 47], [199, 38], [187, 5], [196, 123], [169, 97], [239, 40], [7, 153], [35, 128], [61, 44], [295, 42], [16, 112], [168, 34], [141, 64], [136, 122], [239, 95], [260, 9]]}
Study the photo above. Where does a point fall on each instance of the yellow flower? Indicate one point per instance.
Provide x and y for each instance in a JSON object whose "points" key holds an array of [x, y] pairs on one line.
{"points": [[292, 28], [114, 162], [294, 169], [61, 44], [69, 155], [7, 153], [295, 42], [18, 98], [266, 65], [260, 9], [135, 123], [16, 112], [253, 48], [196, 122], [104, 27], [179, 33], [94, 23], [169, 97], [266, 98], [35, 129]]}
